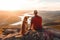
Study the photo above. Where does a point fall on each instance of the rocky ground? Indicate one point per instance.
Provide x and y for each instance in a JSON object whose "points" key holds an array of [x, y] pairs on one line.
{"points": [[31, 35]]}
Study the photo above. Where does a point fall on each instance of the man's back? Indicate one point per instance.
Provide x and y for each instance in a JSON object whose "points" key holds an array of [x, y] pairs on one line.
{"points": [[37, 22]]}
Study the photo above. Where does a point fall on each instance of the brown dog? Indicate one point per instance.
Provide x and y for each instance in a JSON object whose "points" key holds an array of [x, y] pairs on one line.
{"points": [[24, 25]]}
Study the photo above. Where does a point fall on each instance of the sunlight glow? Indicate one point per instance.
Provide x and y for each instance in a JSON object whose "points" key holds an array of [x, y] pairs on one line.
{"points": [[17, 4], [22, 17]]}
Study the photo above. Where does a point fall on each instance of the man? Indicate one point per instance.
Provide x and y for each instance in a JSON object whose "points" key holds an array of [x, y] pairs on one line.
{"points": [[36, 22]]}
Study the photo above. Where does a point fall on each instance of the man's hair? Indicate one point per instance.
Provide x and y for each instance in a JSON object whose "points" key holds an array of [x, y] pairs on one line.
{"points": [[35, 11]]}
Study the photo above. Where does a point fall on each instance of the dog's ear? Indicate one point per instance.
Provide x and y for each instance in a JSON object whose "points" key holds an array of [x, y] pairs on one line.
{"points": [[28, 16]]}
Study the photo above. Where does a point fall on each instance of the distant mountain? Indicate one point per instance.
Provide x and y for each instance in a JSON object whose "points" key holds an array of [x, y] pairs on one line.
{"points": [[50, 16], [9, 17], [52, 23], [12, 17]]}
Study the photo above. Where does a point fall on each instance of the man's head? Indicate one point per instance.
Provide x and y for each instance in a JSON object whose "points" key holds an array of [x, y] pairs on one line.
{"points": [[35, 12]]}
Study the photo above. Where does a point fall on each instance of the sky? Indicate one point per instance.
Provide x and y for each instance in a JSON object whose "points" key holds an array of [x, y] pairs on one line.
{"points": [[12, 5]]}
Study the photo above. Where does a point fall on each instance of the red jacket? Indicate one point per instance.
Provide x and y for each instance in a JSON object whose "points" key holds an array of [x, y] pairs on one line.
{"points": [[37, 22]]}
